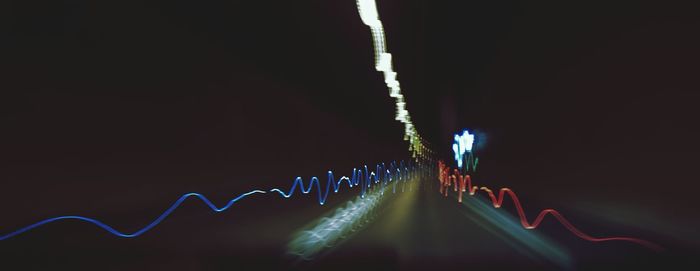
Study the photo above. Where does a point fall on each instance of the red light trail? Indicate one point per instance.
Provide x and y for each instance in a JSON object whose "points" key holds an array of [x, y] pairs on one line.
{"points": [[463, 183]]}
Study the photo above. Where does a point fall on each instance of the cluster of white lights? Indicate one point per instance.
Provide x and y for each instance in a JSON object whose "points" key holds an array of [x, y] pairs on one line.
{"points": [[463, 143], [383, 63]]}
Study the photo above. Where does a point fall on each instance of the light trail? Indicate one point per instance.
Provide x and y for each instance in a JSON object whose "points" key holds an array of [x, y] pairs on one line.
{"points": [[154, 223], [383, 176], [383, 63], [462, 183], [329, 230]]}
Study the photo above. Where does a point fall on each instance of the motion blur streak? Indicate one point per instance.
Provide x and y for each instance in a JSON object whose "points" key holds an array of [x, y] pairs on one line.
{"points": [[528, 242], [383, 176], [382, 61], [331, 229], [462, 183]]}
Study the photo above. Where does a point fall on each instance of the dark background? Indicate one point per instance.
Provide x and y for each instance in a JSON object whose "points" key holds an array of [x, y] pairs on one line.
{"points": [[114, 109]]}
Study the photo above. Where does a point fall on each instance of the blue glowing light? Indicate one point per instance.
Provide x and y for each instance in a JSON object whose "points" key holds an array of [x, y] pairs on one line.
{"points": [[463, 143]]}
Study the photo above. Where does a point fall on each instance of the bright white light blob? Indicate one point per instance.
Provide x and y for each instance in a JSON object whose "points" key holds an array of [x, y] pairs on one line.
{"points": [[463, 143], [368, 12]]}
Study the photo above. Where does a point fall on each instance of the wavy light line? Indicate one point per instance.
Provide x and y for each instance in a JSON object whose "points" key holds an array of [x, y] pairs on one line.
{"points": [[142, 230], [358, 179], [463, 183], [384, 176]]}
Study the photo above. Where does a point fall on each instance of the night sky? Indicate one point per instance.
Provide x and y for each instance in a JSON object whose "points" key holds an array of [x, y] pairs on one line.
{"points": [[114, 109]]}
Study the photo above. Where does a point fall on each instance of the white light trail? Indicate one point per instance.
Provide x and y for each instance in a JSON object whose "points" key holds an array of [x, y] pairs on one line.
{"points": [[370, 17]]}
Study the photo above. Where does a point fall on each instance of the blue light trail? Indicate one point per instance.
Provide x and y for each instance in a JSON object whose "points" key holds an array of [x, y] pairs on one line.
{"points": [[363, 178]]}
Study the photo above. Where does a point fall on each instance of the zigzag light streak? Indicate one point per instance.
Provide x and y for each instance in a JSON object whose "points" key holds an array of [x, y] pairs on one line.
{"points": [[382, 58], [463, 183], [383, 176]]}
